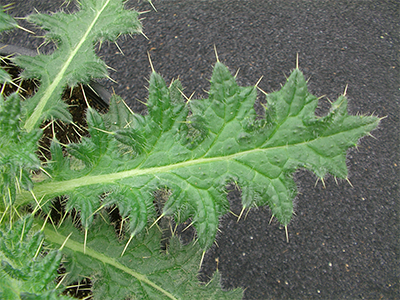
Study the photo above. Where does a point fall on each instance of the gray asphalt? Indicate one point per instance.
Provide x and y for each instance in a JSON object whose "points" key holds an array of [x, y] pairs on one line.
{"points": [[344, 240]]}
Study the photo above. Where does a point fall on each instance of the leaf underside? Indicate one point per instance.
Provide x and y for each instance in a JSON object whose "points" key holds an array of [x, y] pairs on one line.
{"points": [[195, 148]]}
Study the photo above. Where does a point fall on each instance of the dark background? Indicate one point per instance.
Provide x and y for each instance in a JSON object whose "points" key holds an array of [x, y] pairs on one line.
{"points": [[344, 240]]}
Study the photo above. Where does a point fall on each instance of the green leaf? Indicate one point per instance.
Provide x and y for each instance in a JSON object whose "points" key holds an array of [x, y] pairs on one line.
{"points": [[4, 76], [74, 61], [195, 149], [17, 151], [6, 21], [144, 272], [91, 150], [24, 273]]}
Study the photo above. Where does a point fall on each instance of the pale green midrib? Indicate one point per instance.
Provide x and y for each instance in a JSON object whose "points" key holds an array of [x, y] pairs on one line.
{"points": [[34, 118], [63, 186], [60, 187], [112, 177], [59, 239]]}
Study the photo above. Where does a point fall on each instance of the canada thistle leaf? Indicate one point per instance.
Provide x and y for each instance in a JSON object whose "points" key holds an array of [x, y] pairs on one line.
{"points": [[74, 61], [24, 274], [144, 272], [194, 149]]}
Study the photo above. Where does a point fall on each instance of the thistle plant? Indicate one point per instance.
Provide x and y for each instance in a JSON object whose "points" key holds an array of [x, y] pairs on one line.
{"points": [[191, 147]]}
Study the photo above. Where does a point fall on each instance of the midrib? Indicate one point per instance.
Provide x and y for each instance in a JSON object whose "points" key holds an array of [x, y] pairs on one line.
{"points": [[59, 187], [33, 119], [63, 186]]}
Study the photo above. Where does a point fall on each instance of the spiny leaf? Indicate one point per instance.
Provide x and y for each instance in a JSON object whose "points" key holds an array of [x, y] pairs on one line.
{"points": [[6, 21], [4, 76], [194, 149], [119, 114], [24, 274], [91, 150], [74, 61], [131, 203], [144, 272], [17, 151]]}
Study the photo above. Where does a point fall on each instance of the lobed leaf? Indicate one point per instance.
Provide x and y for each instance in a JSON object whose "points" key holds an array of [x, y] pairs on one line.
{"points": [[144, 272], [6, 21], [24, 274], [17, 151], [74, 61], [194, 149]]}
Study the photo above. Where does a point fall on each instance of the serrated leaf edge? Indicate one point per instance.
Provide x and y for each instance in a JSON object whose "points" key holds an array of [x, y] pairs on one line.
{"points": [[32, 121], [56, 238]]}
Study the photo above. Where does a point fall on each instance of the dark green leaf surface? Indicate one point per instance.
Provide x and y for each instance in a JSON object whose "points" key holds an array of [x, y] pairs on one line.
{"points": [[194, 149], [143, 272], [6, 21], [17, 151], [24, 274], [75, 60]]}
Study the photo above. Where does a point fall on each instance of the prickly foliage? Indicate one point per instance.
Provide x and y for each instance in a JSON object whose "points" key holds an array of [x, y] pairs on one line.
{"points": [[74, 61], [194, 149], [24, 272], [6, 23], [17, 147], [4, 76], [143, 272], [190, 148], [17, 151]]}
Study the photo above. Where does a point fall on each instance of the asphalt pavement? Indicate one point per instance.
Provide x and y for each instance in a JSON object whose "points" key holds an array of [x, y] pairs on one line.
{"points": [[343, 239]]}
